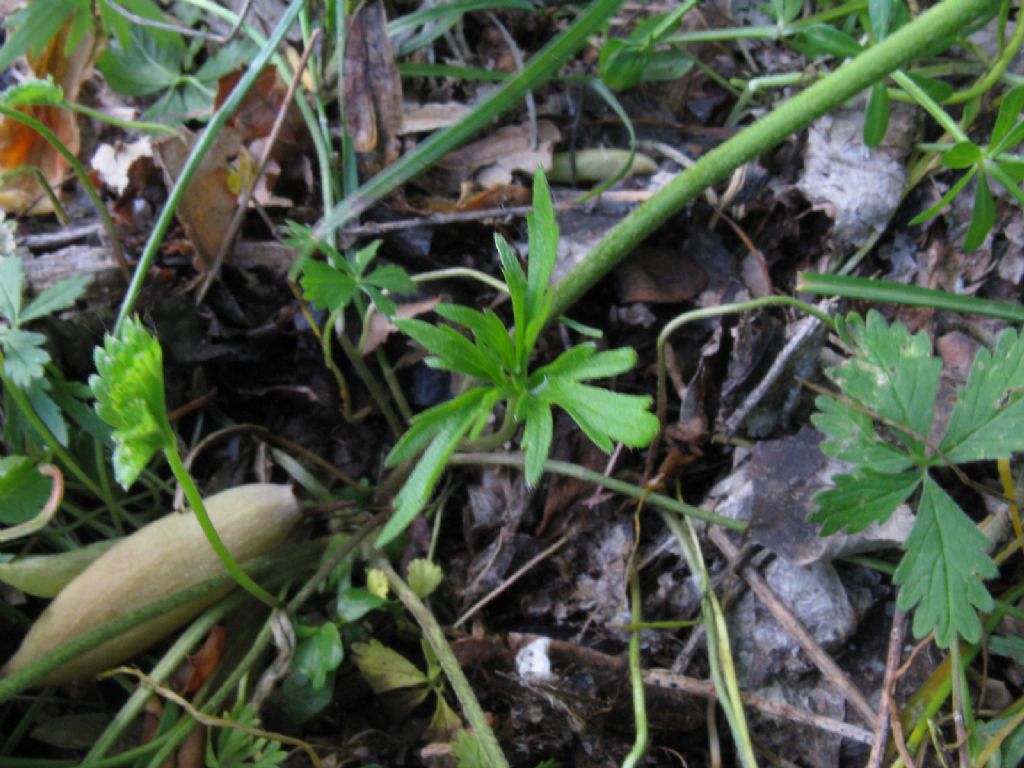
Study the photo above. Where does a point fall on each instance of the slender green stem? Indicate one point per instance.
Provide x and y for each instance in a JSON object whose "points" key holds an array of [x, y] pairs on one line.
{"points": [[540, 69], [941, 21], [370, 381], [195, 501], [636, 673], [910, 295], [128, 125], [203, 144], [493, 756], [80, 173], [393, 386], [726, 309], [454, 272], [196, 631], [998, 68], [941, 116], [588, 476]]}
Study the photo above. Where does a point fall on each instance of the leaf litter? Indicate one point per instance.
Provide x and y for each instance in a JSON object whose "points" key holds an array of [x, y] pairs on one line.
{"points": [[250, 350]]}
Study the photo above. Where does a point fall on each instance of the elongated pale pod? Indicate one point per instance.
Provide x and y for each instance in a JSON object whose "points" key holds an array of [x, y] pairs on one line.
{"points": [[161, 558]]}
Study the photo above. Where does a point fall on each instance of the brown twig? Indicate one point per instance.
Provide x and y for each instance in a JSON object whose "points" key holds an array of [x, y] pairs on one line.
{"points": [[795, 628], [892, 663], [243, 200]]}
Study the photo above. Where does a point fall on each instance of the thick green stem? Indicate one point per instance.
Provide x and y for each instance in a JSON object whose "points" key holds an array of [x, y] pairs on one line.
{"points": [[199, 509], [944, 20], [434, 635]]}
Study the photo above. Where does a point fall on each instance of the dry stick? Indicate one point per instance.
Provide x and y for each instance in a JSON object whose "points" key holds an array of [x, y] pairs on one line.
{"points": [[501, 588], [892, 664], [212, 721], [663, 678], [796, 630], [243, 202]]}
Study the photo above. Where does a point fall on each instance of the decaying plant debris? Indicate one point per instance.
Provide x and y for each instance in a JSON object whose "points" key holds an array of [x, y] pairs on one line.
{"points": [[538, 312]]}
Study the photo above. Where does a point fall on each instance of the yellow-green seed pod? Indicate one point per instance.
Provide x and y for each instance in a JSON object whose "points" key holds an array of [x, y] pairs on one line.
{"points": [[164, 557]]}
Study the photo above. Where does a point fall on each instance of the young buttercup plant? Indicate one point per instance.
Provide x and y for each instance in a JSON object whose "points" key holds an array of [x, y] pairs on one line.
{"points": [[498, 360], [892, 379], [129, 391]]}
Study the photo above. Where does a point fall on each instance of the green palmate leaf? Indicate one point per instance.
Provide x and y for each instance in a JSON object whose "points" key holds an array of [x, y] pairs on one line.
{"points": [[892, 374], [543, 236], [451, 350], [469, 752], [982, 217], [876, 116], [319, 654], [987, 421], [362, 258], [129, 392], [536, 437], [327, 287], [391, 277], [853, 438], [605, 416], [36, 25], [25, 356], [55, 298], [941, 574], [863, 498]]}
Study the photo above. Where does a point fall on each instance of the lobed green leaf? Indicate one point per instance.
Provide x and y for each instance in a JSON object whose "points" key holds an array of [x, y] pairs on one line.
{"points": [[543, 239], [987, 421], [55, 298], [25, 357], [605, 416], [941, 574], [327, 287], [452, 351], [129, 392], [862, 498]]}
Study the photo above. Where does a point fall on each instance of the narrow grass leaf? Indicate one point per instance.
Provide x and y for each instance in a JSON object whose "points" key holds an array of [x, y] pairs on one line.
{"points": [[983, 216], [536, 438], [947, 198], [941, 574], [543, 237], [1009, 112], [876, 116], [420, 485]]}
